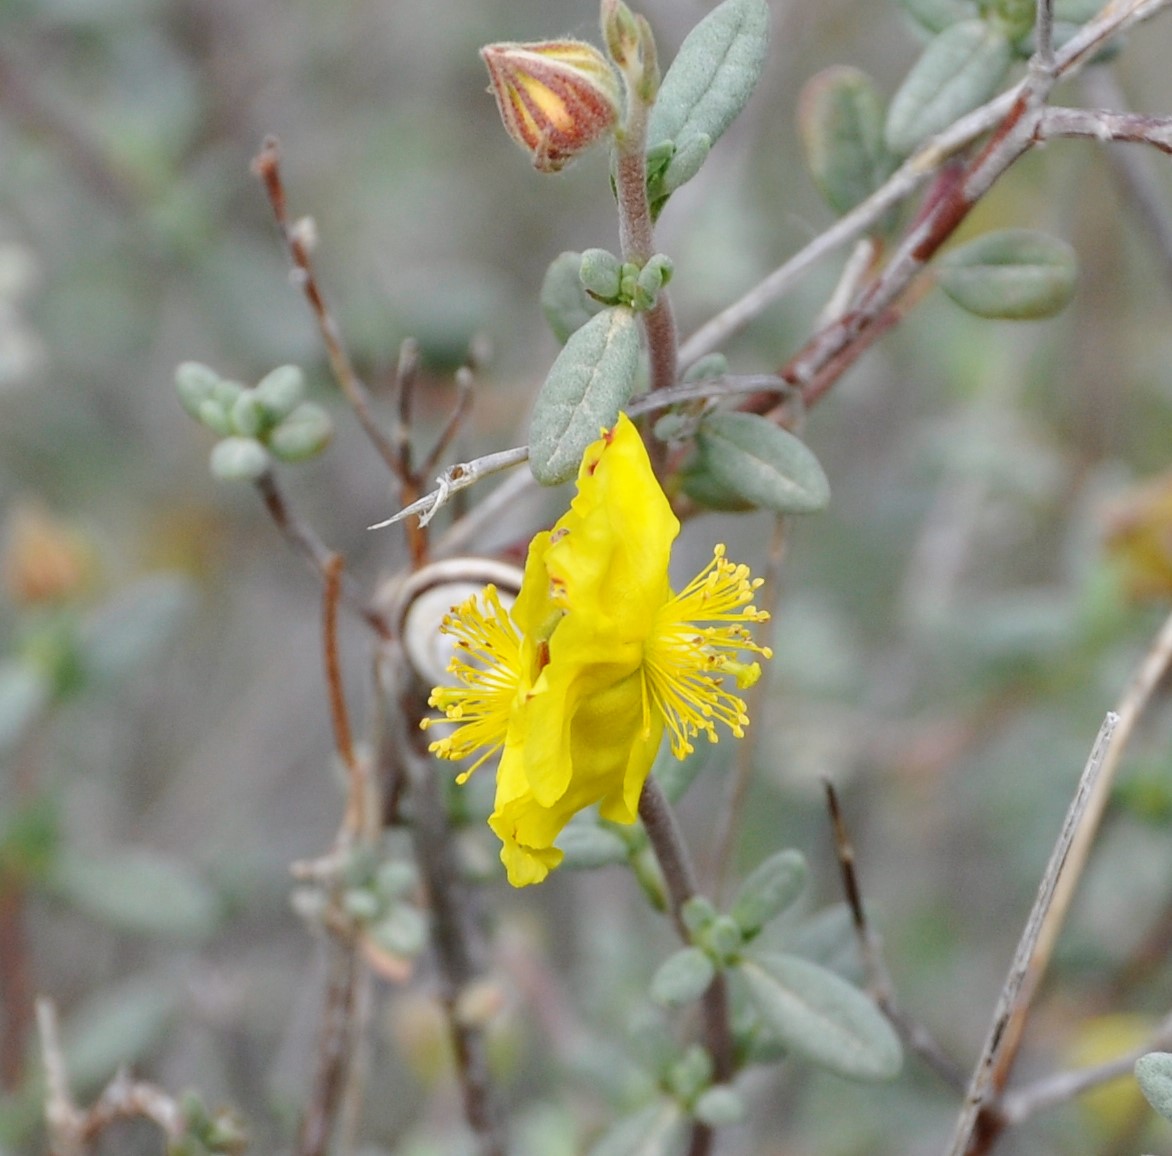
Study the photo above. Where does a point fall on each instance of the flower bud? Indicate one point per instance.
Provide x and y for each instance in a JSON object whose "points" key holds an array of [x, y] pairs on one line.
{"points": [[556, 98]]}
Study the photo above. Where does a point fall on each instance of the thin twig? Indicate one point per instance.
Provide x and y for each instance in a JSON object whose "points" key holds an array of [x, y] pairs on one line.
{"points": [[451, 934], [974, 1128], [671, 852], [914, 172], [1135, 698], [1134, 171], [267, 166], [464, 393], [464, 474], [62, 1116], [914, 1035], [306, 543], [1050, 1091]]}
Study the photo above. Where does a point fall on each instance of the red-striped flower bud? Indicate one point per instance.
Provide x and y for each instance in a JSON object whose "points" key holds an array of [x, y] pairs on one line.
{"points": [[556, 97]]}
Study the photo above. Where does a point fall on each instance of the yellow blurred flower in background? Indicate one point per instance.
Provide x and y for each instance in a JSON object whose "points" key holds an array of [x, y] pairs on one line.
{"points": [[597, 658]]}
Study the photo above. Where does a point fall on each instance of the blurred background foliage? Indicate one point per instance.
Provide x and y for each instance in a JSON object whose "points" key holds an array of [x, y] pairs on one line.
{"points": [[949, 634]]}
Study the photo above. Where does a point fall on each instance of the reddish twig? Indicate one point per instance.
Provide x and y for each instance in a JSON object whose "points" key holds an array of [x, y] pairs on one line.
{"points": [[267, 166]]}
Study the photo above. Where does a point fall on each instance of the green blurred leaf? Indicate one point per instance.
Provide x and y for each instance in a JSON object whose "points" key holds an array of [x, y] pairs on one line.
{"points": [[936, 15], [236, 459], [586, 845], [139, 891], [128, 632], [660, 1129], [1012, 274], [586, 388], [719, 1106], [195, 383], [1154, 1073], [402, 930], [709, 82], [280, 391], [119, 1025], [24, 692], [683, 977], [768, 890], [818, 1015], [564, 301], [29, 837], [303, 434], [960, 69], [764, 464], [840, 118]]}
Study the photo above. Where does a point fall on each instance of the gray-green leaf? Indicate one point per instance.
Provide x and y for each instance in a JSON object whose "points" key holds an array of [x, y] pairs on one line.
{"points": [[683, 977], [24, 690], [709, 82], [586, 845], [769, 890], [566, 304], [586, 388], [936, 15], [1154, 1073], [841, 123], [763, 464], [1016, 274], [820, 1016], [128, 632], [140, 891], [960, 69]]}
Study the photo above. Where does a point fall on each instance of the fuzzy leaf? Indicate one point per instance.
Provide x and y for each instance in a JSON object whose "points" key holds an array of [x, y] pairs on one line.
{"points": [[1154, 1073], [1017, 274], [841, 123], [24, 690], [128, 632], [586, 845], [960, 69], [586, 388], [659, 1129], [236, 459], [683, 977], [761, 463], [818, 1015], [769, 890], [708, 83], [566, 304], [936, 15], [139, 891]]}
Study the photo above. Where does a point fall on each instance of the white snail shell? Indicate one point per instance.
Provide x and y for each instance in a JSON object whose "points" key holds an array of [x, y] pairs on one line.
{"points": [[433, 591]]}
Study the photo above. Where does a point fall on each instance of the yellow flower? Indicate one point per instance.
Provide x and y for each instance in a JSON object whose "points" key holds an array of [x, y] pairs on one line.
{"points": [[597, 658]]}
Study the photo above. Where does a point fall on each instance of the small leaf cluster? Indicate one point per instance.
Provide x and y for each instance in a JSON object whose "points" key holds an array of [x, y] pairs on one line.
{"points": [[614, 282], [376, 899], [792, 1005], [257, 424]]}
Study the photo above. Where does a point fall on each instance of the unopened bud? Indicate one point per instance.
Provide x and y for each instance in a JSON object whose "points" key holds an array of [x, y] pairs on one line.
{"points": [[556, 98]]}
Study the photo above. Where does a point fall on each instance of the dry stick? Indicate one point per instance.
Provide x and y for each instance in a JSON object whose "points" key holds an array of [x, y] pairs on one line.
{"points": [[61, 1112], [671, 852], [267, 166], [1050, 1091], [343, 1012], [464, 384], [306, 543], [1135, 698], [406, 376], [1016, 992], [1139, 185], [729, 818], [914, 1035], [451, 936]]}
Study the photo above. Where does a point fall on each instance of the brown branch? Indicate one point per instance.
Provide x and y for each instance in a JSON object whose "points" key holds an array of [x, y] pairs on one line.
{"points": [[451, 931], [979, 1124], [671, 852], [915, 1036], [267, 166], [307, 544], [338, 1041]]}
